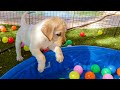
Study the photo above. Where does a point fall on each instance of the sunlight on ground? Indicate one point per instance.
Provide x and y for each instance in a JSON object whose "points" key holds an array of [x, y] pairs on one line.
{"points": [[106, 41]]}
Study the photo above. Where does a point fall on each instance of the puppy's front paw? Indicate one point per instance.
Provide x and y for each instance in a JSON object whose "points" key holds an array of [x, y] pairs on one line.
{"points": [[19, 58], [59, 58], [41, 67]]}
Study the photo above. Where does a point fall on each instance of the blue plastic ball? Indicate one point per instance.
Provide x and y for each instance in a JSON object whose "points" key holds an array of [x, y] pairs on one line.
{"points": [[112, 68]]}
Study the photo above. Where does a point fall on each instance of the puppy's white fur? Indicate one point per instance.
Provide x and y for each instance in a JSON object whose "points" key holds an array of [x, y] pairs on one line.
{"points": [[48, 33]]}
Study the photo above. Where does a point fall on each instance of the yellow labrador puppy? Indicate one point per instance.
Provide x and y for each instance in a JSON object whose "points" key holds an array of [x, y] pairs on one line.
{"points": [[47, 33]]}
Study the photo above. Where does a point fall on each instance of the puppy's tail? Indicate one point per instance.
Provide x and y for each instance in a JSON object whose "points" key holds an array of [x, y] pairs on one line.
{"points": [[23, 21]]}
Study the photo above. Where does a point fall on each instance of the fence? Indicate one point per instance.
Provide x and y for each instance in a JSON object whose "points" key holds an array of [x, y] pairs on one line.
{"points": [[73, 18]]}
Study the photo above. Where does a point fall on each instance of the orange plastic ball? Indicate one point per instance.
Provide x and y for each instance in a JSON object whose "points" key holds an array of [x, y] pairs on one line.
{"points": [[89, 75], [13, 27], [3, 29], [118, 71]]}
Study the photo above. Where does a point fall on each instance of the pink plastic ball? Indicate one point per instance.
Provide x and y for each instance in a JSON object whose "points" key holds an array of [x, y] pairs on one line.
{"points": [[22, 45], [2, 27], [107, 76], [79, 69]]}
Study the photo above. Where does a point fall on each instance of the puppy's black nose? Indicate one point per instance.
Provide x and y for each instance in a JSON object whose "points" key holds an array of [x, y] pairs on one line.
{"points": [[64, 42]]}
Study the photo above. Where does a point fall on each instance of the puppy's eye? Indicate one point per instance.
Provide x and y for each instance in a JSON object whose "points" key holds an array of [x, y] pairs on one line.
{"points": [[58, 34]]}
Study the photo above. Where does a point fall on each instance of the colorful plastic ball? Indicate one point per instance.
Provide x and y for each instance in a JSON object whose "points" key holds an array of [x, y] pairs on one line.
{"points": [[13, 27], [90, 75], [22, 44], [10, 40], [3, 29], [26, 48], [95, 68], [105, 71], [78, 68], [100, 32], [118, 71], [46, 50], [68, 42], [65, 45], [4, 39], [74, 75], [107, 76], [112, 68], [82, 34]]}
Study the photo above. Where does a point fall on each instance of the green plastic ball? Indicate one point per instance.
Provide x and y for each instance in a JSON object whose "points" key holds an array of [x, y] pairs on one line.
{"points": [[4, 39], [95, 68], [65, 45], [26, 48], [74, 75], [68, 42], [105, 71]]}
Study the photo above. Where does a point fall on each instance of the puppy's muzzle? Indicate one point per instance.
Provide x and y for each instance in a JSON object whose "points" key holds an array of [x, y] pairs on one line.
{"points": [[64, 41]]}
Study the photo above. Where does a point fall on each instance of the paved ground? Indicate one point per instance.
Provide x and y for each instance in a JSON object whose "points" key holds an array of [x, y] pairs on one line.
{"points": [[9, 17]]}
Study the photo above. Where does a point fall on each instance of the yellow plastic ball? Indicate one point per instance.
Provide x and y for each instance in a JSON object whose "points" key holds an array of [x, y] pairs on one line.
{"points": [[4, 39], [100, 32], [26, 48], [74, 75]]}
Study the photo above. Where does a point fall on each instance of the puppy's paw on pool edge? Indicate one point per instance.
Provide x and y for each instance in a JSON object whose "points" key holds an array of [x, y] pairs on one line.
{"points": [[59, 58], [20, 58], [41, 68]]}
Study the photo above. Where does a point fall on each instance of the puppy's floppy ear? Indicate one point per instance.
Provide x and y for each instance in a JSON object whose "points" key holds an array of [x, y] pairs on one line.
{"points": [[48, 31]]}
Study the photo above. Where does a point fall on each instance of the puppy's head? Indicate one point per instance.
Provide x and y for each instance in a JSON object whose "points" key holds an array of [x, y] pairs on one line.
{"points": [[54, 29]]}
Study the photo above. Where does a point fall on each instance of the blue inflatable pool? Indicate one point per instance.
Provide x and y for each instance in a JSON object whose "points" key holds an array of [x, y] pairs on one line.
{"points": [[74, 55]]}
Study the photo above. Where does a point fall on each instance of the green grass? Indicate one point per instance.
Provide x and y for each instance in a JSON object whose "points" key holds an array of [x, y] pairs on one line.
{"points": [[8, 58], [107, 39]]}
